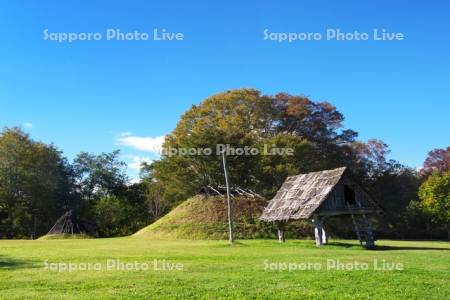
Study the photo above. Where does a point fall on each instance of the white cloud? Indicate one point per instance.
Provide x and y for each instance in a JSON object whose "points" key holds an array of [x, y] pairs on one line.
{"points": [[27, 125], [134, 180], [136, 161], [142, 143]]}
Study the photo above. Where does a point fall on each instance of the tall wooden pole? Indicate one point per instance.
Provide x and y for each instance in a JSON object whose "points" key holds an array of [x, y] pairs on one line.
{"points": [[230, 209]]}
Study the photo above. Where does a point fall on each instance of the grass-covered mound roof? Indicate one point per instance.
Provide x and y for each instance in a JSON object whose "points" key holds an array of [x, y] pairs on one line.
{"points": [[205, 217]]}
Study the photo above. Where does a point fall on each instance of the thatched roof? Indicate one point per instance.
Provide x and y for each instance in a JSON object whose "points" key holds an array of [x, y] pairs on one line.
{"points": [[301, 195]]}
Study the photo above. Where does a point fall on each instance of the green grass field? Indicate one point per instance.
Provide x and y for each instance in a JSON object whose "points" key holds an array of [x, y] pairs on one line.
{"points": [[212, 269]]}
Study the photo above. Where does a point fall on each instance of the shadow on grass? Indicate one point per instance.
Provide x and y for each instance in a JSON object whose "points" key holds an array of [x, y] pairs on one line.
{"points": [[236, 244], [384, 247], [342, 245], [9, 263]]}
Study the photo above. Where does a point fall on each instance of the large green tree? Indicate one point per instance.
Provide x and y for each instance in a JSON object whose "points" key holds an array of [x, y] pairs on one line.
{"points": [[245, 118], [107, 201], [101, 181], [36, 184], [434, 194], [100, 175]]}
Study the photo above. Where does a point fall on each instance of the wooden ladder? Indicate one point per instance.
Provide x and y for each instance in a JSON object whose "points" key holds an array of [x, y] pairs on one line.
{"points": [[363, 228]]}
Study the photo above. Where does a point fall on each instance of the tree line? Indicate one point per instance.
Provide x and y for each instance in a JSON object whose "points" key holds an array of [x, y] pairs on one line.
{"points": [[37, 183]]}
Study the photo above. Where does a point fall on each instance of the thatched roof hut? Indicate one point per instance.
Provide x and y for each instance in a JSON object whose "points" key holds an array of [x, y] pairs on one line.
{"points": [[323, 194]]}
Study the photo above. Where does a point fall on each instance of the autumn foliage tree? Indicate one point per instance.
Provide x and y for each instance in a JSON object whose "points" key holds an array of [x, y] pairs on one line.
{"points": [[245, 118], [438, 160]]}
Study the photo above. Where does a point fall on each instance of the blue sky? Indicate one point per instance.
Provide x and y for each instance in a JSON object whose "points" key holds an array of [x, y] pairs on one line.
{"points": [[103, 95]]}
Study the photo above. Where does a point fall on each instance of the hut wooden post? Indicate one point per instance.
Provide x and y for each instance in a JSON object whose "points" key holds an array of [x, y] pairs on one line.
{"points": [[280, 229], [318, 231], [324, 236]]}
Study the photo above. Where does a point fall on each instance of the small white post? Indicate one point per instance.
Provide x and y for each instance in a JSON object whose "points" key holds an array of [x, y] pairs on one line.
{"points": [[230, 208]]}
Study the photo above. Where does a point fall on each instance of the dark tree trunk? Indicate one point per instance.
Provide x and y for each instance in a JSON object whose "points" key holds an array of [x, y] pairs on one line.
{"points": [[34, 226], [10, 233]]}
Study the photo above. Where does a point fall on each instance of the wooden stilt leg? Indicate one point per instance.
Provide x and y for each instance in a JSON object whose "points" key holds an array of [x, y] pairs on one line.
{"points": [[281, 235], [324, 236], [280, 226], [318, 232]]}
